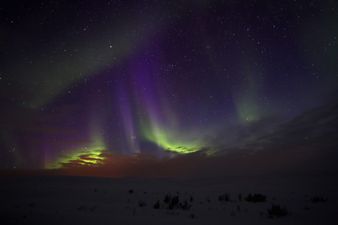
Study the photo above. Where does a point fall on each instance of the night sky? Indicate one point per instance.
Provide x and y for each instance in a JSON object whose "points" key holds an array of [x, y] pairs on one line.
{"points": [[88, 83]]}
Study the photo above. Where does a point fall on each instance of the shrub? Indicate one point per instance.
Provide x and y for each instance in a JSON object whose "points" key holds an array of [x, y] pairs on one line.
{"points": [[277, 211], [255, 198], [224, 197], [157, 205], [141, 204], [167, 199], [185, 205]]}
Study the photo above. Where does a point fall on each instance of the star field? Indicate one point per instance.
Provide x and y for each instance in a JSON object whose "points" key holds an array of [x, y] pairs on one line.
{"points": [[80, 80]]}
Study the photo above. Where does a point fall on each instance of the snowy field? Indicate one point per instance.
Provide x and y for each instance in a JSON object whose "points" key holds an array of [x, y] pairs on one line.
{"points": [[82, 200]]}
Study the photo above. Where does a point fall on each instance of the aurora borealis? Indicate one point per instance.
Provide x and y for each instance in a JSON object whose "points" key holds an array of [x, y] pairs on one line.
{"points": [[83, 81]]}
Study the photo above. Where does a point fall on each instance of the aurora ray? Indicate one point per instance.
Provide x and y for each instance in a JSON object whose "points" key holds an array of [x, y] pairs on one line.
{"points": [[88, 155], [163, 79]]}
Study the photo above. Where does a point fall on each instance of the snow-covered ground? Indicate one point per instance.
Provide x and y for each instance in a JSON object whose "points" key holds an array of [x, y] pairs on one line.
{"points": [[84, 200]]}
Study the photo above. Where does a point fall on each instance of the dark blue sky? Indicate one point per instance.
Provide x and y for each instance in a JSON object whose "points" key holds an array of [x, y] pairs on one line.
{"points": [[156, 77]]}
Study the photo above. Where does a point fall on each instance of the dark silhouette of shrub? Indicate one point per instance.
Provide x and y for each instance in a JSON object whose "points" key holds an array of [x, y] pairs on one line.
{"points": [[224, 198], [131, 191], [174, 202], [167, 199], [240, 197], [141, 204], [185, 205], [277, 211], [255, 198], [157, 205]]}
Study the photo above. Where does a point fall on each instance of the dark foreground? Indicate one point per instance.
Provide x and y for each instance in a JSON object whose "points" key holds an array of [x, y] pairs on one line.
{"points": [[232, 200]]}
